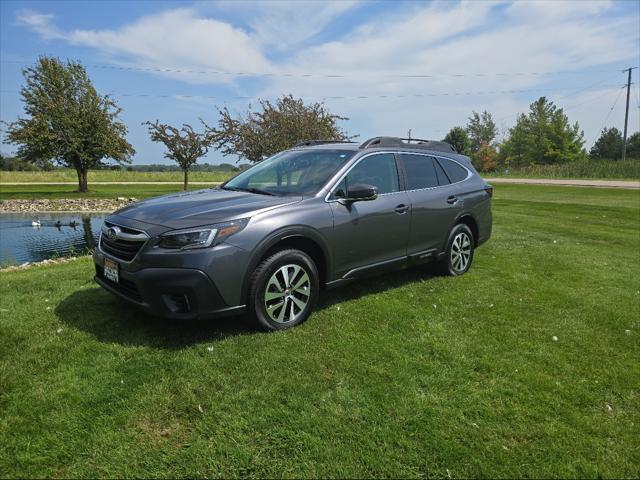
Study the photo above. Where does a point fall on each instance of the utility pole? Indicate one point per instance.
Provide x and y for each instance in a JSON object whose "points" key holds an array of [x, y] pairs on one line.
{"points": [[626, 115]]}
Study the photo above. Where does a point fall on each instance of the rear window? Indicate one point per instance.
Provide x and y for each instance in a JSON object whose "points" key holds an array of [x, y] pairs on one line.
{"points": [[455, 172], [420, 171]]}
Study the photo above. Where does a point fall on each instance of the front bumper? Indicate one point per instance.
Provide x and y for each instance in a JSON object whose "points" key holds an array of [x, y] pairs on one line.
{"points": [[170, 292]]}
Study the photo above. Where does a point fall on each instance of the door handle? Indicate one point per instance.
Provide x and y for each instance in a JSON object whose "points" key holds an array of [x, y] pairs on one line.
{"points": [[402, 208], [452, 199]]}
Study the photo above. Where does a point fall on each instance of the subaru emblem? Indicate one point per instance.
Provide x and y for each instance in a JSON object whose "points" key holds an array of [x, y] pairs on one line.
{"points": [[112, 233]]}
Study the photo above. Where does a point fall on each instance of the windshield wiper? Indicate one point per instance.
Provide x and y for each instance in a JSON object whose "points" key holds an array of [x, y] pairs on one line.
{"points": [[250, 190]]}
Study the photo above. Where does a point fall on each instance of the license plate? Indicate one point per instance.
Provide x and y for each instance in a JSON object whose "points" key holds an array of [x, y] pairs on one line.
{"points": [[111, 270]]}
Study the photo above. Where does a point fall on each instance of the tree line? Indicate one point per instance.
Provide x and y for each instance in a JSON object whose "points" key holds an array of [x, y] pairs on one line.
{"points": [[70, 124], [542, 136]]}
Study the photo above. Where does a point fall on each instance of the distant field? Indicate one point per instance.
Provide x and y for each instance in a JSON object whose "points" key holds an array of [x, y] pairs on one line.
{"points": [[600, 170], [112, 176], [95, 191]]}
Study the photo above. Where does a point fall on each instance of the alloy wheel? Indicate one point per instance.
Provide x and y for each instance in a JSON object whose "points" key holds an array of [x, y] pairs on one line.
{"points": [[287, 293], [460, 252]]}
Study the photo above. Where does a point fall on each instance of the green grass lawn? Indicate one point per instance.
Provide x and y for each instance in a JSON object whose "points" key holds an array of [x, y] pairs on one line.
{"points": [[95, 191], [405, 375], [66, 175]]}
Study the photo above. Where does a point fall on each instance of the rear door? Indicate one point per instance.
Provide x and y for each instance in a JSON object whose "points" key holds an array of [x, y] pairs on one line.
{"points": [[434, 206], [369, 233]]}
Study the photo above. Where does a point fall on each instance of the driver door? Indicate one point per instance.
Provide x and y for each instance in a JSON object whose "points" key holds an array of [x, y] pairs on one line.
{"points": [[372, 234]]}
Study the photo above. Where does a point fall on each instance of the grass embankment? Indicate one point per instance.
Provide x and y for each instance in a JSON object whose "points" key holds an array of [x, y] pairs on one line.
{"points": [[66, 175], [592, 170], [404, 375]]}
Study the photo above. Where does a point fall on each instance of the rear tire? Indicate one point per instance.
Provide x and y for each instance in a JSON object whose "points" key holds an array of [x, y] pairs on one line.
{"points": [[459, 252], [283, 290]]}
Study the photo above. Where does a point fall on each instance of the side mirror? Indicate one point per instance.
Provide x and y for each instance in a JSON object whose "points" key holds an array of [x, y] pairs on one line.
{"points": [[361, 192]]}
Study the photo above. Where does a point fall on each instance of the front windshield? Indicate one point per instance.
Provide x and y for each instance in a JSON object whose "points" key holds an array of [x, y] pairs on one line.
{"points": [[296, 172]]}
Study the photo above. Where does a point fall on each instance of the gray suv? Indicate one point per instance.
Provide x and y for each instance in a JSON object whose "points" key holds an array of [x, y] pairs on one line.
{"points": [[316, 216]]}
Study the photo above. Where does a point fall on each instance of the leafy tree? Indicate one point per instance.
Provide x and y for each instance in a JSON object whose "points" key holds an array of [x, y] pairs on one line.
{"points": [[68, 121], [543, 136], [481, 129], [486, 157], [633, 146], [184, 145], [459, 138], [608, 145], [275, 127]]}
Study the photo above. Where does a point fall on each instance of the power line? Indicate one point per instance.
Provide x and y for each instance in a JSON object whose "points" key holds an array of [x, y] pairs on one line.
{"points": [[612, 107], [159, 69], [604, 94], [326, 97], [574, 93]]}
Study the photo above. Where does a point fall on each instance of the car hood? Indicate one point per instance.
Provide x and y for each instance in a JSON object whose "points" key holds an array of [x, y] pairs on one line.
{"points": [[201, 207]]}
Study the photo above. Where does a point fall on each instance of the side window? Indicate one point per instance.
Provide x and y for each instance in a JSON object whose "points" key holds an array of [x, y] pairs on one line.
{"points": [[378, 170], [455, 172], [420, 171], [442, 177]]}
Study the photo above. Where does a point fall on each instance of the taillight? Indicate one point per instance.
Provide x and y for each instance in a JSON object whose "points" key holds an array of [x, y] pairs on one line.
{"points": [[489, 190]]}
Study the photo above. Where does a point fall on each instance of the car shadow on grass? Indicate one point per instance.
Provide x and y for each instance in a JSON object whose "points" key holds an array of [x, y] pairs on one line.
{"points": [[111, 320]]}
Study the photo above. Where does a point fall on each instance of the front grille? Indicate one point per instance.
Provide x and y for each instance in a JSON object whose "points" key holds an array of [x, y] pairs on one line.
{"points": [[121, 248], [124, 286]]}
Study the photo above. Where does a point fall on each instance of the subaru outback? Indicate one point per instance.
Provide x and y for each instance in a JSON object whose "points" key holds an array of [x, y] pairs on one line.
{"points": [[321, 214]]}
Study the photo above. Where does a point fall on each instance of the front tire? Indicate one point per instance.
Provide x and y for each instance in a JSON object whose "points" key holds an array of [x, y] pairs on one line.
{"points": [[459, 253], [283, 291]]}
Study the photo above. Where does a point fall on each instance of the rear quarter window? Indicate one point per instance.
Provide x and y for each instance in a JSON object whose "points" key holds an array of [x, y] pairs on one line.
{"points": [[455, 171], [420, 171]]}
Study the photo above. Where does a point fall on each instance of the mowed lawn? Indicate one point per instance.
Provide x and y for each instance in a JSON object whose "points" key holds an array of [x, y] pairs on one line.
{"points": [[528, 366], [52, 191], [68, 175]]}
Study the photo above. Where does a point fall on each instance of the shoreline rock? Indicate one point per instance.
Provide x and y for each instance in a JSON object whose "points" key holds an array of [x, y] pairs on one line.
{"points": [[51, 261], [64, 205]]}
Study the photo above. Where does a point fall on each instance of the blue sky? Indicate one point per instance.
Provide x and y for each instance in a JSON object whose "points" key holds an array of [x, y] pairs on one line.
{"points": [[422, 66]]}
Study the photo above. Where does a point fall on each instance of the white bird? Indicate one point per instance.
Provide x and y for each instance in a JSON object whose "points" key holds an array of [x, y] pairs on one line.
{"points": [[35, 223]]}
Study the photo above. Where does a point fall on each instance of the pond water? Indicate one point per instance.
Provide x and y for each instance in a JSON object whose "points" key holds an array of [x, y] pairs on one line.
{"points": [[59, 235]]}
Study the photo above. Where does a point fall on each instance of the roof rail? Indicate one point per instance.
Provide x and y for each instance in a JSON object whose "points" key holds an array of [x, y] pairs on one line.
{"points": [[310, 143], [438, 146]]}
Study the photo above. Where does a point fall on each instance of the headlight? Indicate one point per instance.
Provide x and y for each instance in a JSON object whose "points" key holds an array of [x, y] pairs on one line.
{"points": [[200, 237]]}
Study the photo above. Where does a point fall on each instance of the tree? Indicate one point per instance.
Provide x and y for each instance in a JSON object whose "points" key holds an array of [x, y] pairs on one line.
{"points": [[486, 157], [608, 145], [543, 136], [68, 121], [276, 127], [633, 146], [184, 145], [459, 139], [481, 129]]}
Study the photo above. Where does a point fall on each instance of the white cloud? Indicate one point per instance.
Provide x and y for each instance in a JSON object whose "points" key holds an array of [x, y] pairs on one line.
{"points": [[176, 39], [469, 38], [282, 25], [554, 10], [439, 38], [41, 23]]}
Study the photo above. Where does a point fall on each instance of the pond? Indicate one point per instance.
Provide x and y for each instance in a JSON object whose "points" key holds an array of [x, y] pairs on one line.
{"points": [[33, 237]]}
